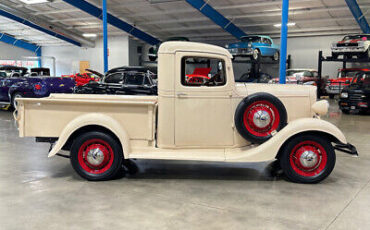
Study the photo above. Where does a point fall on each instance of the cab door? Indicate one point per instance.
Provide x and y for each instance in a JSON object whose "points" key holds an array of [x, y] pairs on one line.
{"points": [[203, 116]]}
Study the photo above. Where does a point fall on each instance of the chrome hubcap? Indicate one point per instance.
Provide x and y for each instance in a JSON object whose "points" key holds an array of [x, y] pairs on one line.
{"points": [[95, 157], [308, 159], [261, 119]]}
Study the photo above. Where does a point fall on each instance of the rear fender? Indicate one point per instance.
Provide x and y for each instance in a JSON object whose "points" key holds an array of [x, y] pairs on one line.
{"points": [[96, 119], [269, 150]]}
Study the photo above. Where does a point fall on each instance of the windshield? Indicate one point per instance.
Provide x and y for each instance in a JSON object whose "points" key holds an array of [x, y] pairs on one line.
{"points": [[134, 79], [291, 72], [352, 37], [362, 78], [344, 74], [251, 39]]}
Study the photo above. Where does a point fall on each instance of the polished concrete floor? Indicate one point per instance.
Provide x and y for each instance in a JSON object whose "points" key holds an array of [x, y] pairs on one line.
{"points": [[37, 192]]}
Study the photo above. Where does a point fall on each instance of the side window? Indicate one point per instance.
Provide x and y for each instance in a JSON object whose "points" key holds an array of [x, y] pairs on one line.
{"points": [[114, 78], [268, 41], [2, 75], [198, 71]]}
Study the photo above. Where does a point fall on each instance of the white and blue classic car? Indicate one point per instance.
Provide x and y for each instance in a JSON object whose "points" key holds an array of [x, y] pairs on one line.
{"points": [[254, 46]]}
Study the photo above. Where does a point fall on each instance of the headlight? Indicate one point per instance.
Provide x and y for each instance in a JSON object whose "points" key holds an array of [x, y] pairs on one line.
{"points": [[227, 46], [333, 45], [249, 45], [344, 95], [361, 44], [320, 107]]}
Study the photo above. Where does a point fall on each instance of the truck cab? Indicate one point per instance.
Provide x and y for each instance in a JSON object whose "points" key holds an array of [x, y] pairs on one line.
{"points": [[213, 120]]}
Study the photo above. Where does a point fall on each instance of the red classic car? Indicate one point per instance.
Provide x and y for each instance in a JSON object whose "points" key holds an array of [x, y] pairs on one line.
{"points": [[84, 78], [335, 85]]}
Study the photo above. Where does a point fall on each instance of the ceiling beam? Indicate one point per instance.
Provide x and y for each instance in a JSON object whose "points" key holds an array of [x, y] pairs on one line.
{"points": [[40, 25], [359, 16], [263, 14], [34, 26], [19, 43], [114, 21], [249, 25], [208, 11]]}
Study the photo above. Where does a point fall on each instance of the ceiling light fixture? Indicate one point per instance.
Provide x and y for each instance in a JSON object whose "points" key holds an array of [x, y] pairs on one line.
{"points": [[34, 1], [288, 24], [87, 35]]}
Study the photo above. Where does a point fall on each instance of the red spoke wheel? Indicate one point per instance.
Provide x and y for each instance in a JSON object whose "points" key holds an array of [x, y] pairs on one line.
{"points": [[308, 158], [96, 156], [260, 115]]}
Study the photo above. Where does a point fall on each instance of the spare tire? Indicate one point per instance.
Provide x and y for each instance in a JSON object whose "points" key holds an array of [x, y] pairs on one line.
{"points": [[258, 116]]}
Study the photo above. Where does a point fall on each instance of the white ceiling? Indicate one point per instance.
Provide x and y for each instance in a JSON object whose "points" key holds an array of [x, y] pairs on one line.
{"points": [[166, 18]]}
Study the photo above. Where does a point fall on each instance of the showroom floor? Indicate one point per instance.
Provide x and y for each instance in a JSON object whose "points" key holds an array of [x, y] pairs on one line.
{"points": [[45, 193]]}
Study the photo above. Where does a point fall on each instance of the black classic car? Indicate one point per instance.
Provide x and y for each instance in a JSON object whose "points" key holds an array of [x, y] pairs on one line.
{"points": [[125, 80], [356, 96]]}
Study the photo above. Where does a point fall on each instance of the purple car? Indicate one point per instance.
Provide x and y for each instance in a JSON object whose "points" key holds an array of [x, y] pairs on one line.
{"points": [[15, 82]]}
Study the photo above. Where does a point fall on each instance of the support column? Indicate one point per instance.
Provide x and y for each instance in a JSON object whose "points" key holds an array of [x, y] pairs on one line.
{"points": [[283, 41], [105, 36]]}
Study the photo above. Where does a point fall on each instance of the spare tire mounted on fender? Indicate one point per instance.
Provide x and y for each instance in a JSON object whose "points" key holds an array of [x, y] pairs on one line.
{"points": [[259, 115]]}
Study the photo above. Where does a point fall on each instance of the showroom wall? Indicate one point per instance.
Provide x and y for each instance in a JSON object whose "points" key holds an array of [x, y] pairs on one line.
{"points": [[68, 57], [10, 52]]}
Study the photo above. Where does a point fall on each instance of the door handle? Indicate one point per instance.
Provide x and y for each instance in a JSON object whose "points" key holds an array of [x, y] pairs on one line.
{"points": [[181, 95]]}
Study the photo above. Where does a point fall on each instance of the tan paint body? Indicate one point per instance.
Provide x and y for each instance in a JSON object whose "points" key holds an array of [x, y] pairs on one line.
{"points": [[181, 123]]}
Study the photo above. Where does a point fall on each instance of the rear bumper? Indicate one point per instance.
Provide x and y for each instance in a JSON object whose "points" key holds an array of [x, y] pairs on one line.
{"points": [[346, 148], [241, 51]]}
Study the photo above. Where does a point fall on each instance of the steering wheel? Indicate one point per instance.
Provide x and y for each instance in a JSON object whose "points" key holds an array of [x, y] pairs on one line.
{"points": [[212, 80]]}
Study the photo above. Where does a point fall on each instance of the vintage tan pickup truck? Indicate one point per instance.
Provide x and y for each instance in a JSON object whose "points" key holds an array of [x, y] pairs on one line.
{"points": [[210, 119]]}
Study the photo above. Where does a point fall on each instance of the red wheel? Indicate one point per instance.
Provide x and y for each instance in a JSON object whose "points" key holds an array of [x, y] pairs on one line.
{"points": [[307, 158], [261, 118], [96, 156], [258, 116]]}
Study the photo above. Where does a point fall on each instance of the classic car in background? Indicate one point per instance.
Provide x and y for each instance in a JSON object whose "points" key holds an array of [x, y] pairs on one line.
{"points": [[352, 45], [254, 46], [335, 85], [84, 78], [152, 53], [356, 96], [304, 77], [17, 83], [122, 80]]}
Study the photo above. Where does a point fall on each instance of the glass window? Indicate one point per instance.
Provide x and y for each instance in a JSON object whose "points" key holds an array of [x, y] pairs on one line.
{"points": [[203, 72], [267, 41], [3, 75], [134, 79], [114, 78]]}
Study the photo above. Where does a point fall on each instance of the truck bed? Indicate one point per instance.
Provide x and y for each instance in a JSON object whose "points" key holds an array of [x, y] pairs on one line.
{"points": [[47, 117]]}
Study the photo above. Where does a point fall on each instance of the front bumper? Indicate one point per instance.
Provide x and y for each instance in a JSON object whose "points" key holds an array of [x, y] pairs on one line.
{"points": [[353, 49], [241, 51], [346, 148], [335, 89], [353, 105]]}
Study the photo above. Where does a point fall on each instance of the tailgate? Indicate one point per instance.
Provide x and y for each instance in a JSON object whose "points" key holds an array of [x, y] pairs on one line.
{"points": [[47, 117]]}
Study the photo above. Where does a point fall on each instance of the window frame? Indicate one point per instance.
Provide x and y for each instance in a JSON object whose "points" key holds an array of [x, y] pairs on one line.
{"points": [[183, 74]]}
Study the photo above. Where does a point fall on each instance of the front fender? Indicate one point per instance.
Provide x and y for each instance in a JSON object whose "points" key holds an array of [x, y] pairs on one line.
{"points": [[96, 119], [269, 150]]}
